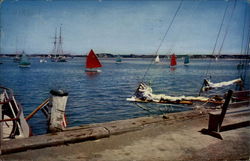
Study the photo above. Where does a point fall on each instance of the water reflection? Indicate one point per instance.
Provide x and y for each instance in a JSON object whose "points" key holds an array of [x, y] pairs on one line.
{"points": [[92, 74]]}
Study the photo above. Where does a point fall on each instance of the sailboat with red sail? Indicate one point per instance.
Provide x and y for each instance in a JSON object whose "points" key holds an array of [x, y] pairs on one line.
{"points": [[92, 62], [173, 62]]}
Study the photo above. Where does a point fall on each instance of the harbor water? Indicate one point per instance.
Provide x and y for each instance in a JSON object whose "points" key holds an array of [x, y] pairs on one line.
{"points": [[101, 97]]}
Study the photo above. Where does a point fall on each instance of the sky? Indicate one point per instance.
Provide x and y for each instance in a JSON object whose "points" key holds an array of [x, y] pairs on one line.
{"points": [[124, 26]]}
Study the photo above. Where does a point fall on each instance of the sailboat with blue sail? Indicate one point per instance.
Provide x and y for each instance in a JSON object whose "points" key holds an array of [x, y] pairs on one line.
{"points": [[186, 60], [118, 59], [24, 62]]}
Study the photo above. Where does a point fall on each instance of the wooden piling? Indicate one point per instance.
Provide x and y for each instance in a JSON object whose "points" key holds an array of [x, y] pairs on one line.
{"points": [[57, 118]]}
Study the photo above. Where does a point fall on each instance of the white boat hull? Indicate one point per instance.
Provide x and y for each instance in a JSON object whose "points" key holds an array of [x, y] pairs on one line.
{"points": [[93, 70]]}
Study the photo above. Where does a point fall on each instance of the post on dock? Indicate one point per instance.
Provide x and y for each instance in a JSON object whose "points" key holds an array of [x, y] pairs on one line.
{"points": [[216, 118], [57, 120]]}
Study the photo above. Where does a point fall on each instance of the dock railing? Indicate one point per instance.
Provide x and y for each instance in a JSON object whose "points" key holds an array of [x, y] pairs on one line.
{"points": [[238, 102], [215, 118]]}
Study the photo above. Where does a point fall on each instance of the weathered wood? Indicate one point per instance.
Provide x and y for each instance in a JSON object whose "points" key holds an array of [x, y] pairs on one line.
{"points": [[57, 119], [54, 139], [239, 104], [225, 106], [37, 109], [92, 132], [216, 119]]}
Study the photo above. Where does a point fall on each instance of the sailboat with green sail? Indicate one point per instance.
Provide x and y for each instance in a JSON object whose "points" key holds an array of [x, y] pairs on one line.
{"points": [[186, 60], [24, 62], [118, 59]]}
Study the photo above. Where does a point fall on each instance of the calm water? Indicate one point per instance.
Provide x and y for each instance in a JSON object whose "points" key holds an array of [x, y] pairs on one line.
{"points": [[102, 97]]}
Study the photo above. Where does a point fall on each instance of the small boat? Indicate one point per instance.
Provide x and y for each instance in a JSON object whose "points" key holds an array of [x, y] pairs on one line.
{"points": [[43, 60], [157, 59], [24, 62], [17, 59], [92, 62], [173, 62], [61, 59], [118, 59], [144, 94], [15, 125], [186, 60], [57, 49], [13, 122]]}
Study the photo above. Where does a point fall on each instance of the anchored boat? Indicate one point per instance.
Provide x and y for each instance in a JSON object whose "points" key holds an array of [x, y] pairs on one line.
{"points": [[13, 123], [157, 59], [57, 49], [173, 62], [118, 59], [186, 60], [92, 62], [12, 120], [24, 62]]}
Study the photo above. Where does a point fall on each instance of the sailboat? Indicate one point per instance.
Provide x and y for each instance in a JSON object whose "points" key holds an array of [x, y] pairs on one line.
{"points": [[157, 59], [173, 62], [57, 49], [186, 60], [43, 60], [24, 62], [13, 122], [207, 83], [216, 58], [92, 62], [118, 59], [16, 59]]}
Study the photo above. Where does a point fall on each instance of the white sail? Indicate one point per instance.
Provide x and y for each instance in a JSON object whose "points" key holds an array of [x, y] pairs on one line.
{"points": [[157, 59], [209, 85], [145, 93]]}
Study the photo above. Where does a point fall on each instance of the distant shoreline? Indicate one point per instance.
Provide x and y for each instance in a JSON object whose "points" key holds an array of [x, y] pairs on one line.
{"points": [[107, 55]]}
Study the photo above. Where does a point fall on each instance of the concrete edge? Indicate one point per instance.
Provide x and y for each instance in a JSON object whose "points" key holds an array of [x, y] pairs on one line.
{"points": [[94, 131]]}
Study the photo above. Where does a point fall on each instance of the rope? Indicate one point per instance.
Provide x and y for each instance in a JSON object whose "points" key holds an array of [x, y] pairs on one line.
{"points": [[225, 35], [217, 37], [247, 61], [176, 12], [243, 33], [228, 25]]}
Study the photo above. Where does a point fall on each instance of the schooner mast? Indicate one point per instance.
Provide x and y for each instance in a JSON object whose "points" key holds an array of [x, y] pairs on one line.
{"points": [[57, 48], [54, 43]]}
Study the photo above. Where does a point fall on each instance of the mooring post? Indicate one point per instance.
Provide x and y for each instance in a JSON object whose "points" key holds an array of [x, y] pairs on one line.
{"points": [[216, 118], [57, 120], [225, 106]]}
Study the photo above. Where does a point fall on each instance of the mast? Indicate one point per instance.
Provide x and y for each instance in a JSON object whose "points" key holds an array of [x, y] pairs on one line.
{"points": [[55, 43], [59, 47]]}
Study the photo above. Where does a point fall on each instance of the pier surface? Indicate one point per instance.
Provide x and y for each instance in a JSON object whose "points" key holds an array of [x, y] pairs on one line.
{"points": [[172, 137]]}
